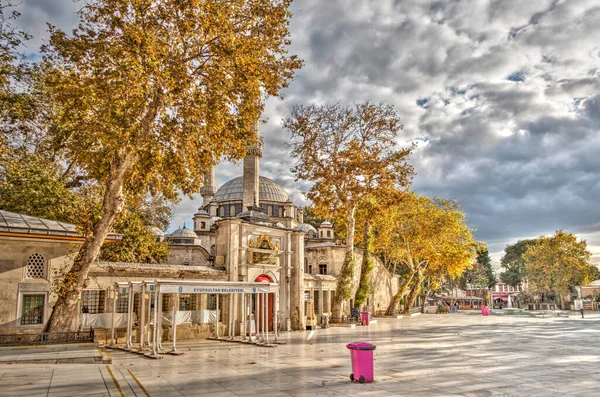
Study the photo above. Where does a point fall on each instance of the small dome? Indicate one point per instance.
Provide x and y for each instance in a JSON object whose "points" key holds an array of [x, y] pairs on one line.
{"points": [[156, 231], [326, 224], [253, 215], [305, 227], [183, 232], [202, 213]]}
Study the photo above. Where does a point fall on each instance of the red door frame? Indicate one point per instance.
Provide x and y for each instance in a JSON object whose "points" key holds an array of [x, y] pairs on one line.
{"points": [[263, 278]]}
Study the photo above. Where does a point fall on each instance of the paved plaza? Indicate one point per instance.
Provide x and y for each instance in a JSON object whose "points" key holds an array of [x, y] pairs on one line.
{"points": [[426, 355]]}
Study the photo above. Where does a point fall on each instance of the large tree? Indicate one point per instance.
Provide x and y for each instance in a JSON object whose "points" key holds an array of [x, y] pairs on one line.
{"points": [[427, 240], [513, 263], [555, 264], [481, 274], [349, 152], [148, 92]]}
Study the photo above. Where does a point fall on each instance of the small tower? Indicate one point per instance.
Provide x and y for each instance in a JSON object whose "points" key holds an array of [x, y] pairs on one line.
{"points": [[208, 189], [326, 231], [201, 221], [250, 180]]}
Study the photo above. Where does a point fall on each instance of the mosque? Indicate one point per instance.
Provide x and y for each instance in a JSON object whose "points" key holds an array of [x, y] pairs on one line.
{"points": [[247, 230]]}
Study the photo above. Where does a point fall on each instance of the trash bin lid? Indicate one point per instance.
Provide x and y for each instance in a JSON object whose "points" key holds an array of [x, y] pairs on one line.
{"points": [[360, 346]]}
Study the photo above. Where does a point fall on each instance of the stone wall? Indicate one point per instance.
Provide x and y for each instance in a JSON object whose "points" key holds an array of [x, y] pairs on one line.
{"points": [[193, 255], [58, 255], [384, 285], [14, 253]]}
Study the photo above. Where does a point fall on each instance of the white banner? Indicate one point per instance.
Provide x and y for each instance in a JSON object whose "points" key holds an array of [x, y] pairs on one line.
{"points": [[103, 320], [190, 289], [182, 316]]}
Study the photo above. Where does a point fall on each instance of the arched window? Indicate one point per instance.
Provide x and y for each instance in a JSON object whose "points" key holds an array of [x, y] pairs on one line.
{"points": [[36, 266]]}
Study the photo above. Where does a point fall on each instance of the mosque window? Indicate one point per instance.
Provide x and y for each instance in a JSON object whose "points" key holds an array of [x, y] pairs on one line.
{"points": [[167, 302], [122, 302], [92, 301], [225, 210], [232, 210], [32, 309], [211, 302], [305, 265], [329, 233], [325, 301], [317, 298], [322, 268], [306, 299], [36, 266], [309, 269], [238, 208], [218, 211], [188, 302]]}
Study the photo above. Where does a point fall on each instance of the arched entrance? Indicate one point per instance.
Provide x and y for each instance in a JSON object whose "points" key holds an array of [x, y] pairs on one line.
{"points": [[263, 278]]}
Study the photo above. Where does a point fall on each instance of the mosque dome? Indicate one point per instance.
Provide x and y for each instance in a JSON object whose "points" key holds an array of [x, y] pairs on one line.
{"points": [[183, 232], [268, 190], [326, 224], [156, 231], [305, 227]]}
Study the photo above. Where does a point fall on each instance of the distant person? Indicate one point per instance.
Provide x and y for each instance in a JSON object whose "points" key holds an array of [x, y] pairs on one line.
{"points": [[581, 311], [455, 307]]}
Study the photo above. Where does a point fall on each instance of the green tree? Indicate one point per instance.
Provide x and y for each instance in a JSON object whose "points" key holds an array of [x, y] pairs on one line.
{"points": [[428, 241], [513, 262], [350, 152], [555, 264], [311, 217], [485, 262], [147, 92], [138, 244]]}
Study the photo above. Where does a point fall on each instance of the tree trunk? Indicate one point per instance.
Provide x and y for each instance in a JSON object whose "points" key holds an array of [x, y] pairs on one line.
{"points": [[343, 289], [396, 298], [412, 296], [364, 286], [74, 281], [425, 300]]}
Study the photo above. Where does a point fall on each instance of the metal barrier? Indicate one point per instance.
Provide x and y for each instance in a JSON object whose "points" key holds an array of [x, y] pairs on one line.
{"points": [[47, 338]]}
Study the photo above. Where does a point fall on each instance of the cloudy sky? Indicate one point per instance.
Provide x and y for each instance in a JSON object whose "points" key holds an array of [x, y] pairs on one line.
{"points": [[502, 96]]}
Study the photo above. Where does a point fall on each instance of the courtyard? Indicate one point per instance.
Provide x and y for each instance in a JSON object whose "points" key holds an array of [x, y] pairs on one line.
{"points": [[424, 355]]}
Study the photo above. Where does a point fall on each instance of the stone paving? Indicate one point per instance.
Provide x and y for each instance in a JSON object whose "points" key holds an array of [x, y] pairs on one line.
{"points": [[426, 355]]}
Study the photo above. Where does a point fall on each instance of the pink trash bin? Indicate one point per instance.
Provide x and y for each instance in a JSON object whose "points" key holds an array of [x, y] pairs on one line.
{"points": [[362, 361], [365, 318]]}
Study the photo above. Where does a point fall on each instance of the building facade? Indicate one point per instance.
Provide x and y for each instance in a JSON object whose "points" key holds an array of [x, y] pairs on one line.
{"points": [[247, 230]]}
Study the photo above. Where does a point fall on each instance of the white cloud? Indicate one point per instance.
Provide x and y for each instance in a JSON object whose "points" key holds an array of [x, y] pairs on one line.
{"points": [[520, 154]]}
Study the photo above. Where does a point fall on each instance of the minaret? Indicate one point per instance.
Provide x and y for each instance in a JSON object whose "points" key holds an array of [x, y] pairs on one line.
{"points": [[251, 171], [208, 189]]}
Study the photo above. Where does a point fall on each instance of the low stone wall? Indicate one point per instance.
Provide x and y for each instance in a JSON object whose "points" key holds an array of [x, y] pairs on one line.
{"points": [[184, 332]]}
